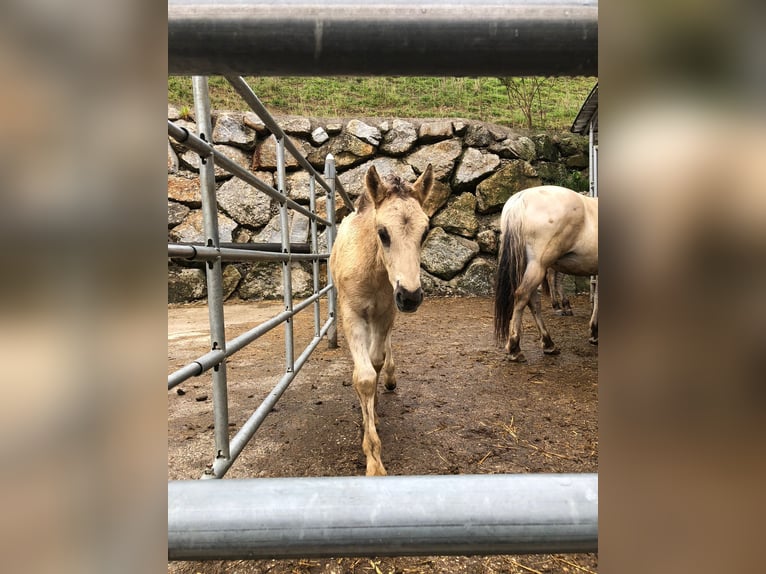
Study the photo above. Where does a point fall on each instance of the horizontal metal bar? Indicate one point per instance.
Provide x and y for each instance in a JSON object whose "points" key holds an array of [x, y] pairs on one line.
{"points": [[196, 368], [239, 440], [383, 37], [212, 358], [271, 247], [187, 372], [204, 149], [201, 252], [382, 516]]}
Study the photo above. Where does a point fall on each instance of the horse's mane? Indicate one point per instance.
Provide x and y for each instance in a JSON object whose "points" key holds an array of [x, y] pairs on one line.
{"points": [[395, 186]]}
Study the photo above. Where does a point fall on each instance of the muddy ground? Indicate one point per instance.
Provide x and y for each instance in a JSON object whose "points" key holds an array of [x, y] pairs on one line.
{"points": [[460, 408]]}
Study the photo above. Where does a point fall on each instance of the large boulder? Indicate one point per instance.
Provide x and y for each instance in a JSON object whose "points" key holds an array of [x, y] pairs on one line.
{"points": [[347, 149], [429, 132], [445, 255], [472, 168], [459, 216], [441, 156], [493, 192], [176, 213], [436, 198], [186, 285], [518, 147], [184, 188], [192, 229], [399, 139], [245, 204], [265, 156], [230, 129], [364, 132], [478, 279]]}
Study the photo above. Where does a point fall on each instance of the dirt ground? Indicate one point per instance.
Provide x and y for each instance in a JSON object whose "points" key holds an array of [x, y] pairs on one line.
{"points": [[460, 407]]}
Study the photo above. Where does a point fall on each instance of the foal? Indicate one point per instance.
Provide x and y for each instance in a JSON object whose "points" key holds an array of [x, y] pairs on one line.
{"points": [[375, 264]]}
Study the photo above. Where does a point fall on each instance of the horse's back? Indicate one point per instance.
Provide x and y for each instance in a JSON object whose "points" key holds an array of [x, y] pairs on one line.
{"points": [[560, 225]]}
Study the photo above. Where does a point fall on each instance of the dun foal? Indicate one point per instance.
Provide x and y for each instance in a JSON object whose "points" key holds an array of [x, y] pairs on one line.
{"points": [[375, 263]]}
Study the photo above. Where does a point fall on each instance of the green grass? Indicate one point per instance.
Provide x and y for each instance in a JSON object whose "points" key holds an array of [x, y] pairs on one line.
{"points": [[483, 98]]}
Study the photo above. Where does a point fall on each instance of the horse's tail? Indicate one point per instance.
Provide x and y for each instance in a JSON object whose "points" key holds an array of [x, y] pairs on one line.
{"points": [[510, 270]]}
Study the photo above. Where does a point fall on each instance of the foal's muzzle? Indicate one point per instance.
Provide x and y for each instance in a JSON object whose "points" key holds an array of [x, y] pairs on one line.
{"points": [[408, 301]]}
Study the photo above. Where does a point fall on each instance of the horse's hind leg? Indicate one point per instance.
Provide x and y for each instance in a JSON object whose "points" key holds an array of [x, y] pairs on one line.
{"points": [[594, 319], [566, 306], [545, 338], [533, 276]]}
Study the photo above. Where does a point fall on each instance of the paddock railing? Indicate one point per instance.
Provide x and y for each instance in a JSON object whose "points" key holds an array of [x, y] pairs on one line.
{"points": [[213, 252]]}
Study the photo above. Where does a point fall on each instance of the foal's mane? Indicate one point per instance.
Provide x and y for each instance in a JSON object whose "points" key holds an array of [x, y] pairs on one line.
{"points": [[395, 187]]}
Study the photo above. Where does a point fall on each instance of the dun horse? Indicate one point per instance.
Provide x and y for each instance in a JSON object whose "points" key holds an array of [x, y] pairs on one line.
{"points": [[375, 264], [541, 228]]}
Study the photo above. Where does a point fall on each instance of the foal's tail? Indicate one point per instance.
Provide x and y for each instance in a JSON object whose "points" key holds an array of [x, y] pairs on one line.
{"points": [[510, 270]]}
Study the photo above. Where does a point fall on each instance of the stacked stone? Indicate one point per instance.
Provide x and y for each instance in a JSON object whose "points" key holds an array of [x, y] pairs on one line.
{"points": [[477, 167]]}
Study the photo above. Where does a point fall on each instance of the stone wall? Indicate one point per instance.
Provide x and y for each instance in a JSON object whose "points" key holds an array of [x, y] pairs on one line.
{"points": [[477, 167]]}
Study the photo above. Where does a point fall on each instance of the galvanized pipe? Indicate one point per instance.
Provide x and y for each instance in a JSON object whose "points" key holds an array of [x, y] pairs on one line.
{"points": [[199, 252], [382, 516], [213, 270], [314, 249], [332, 298], [383, 37]]}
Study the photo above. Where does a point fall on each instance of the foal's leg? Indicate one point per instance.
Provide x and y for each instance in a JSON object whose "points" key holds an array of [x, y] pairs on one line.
{"points": [[545, 338], [389, 376], [365, 383], [533, 276]]}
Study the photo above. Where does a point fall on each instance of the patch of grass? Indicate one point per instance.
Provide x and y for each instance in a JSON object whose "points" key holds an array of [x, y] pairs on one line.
{"points": [[483, 98]]}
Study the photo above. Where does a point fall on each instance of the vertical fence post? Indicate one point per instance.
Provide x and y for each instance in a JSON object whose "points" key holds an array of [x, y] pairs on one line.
{"points": [[329, 175], [314, 250], [593, 190], [213, 270], [287, 281]]}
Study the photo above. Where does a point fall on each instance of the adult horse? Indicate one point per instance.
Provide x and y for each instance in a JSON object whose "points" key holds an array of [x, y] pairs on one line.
{"points": [[541, 228], [375, 264]]}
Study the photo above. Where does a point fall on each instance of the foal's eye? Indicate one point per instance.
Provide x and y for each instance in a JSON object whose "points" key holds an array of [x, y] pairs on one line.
{"points": [[385, 239]]}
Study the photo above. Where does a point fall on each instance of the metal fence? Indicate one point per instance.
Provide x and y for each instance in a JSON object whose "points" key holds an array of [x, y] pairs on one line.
{"points": [[269, 518], [213, 253]]}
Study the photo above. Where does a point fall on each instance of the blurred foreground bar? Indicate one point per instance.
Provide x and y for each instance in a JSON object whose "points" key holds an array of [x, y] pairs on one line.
{"points": [[382, 516], [395, 37]]}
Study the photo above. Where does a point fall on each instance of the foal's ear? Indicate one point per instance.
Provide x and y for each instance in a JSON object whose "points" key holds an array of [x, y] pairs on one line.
{"points": [[375, 186], [423, 184]]}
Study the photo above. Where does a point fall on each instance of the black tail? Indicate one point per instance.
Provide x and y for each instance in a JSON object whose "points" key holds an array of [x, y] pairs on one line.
{"points": [[510, 270]]}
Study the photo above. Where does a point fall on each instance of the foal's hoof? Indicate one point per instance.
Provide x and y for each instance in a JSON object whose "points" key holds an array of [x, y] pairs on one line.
{"points": [[593, 340], [517, 358], [551, 351], [390, 385]]}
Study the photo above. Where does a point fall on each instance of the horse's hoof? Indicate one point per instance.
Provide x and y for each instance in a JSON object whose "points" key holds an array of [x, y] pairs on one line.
{"points": [[553, 351], [390, 385], [517, 358], [593, 340], [567, 312]]}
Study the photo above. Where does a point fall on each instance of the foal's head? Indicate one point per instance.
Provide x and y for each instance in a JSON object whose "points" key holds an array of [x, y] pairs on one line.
{"points": [[401, 226]]}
